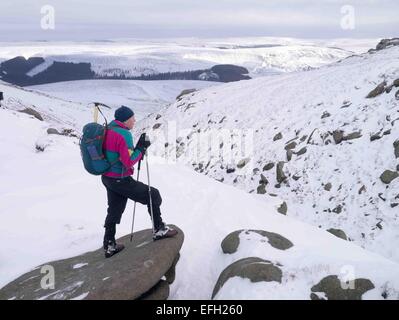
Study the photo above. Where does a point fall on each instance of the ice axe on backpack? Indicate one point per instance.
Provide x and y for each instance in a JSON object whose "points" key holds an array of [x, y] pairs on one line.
{"points": [[97, 110], [91, 143]]}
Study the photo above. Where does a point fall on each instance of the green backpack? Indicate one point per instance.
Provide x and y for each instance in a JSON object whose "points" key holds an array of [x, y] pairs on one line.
{"points": [[91, 148], [91, 145]]}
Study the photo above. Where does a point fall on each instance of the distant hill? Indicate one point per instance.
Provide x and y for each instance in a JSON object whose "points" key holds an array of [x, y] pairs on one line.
{"points": [[36, 70], [16, 71]]}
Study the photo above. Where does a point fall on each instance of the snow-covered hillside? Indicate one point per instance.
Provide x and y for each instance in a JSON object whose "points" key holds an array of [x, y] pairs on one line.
{"points": [[328, 145], [70, 100], [143, 96], [261, 56], [315, 140], [60, 112], [51, 209]]}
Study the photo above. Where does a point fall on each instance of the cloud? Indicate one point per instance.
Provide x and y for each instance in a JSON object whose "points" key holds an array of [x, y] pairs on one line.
{"points": [[290, 16]]}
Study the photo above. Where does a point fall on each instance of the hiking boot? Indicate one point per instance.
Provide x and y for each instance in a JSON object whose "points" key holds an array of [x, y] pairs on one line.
{"points": [[164, 232], [113, 248]]}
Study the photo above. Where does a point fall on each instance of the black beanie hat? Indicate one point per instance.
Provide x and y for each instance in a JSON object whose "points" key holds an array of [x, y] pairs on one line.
{"points": [[123, 113]]}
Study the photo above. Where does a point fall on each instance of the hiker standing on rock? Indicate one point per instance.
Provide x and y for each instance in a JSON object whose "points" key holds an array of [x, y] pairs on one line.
{"points": [[121, 153]]}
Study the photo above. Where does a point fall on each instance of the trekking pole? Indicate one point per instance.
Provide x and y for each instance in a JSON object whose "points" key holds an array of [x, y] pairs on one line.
{"points": [[149, 191], [134, 208]]}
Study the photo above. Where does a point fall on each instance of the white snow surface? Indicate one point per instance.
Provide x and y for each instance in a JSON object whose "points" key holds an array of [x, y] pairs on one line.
{"points": [[293, 104], [68, 103], [59, 112], [143, 97], [52, 209], [133, 57]]}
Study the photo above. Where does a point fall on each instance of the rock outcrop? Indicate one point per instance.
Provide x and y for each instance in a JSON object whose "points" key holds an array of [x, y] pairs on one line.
{"points": [[253, 268], [388, 176], [134, 273], [386, 43], [338, 233], [331, 288], [231, 242], [185, 92], [32, 112]]}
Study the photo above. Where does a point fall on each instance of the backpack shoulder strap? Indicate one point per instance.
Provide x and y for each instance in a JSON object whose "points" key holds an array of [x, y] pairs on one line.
{"points": [[109, 126]]}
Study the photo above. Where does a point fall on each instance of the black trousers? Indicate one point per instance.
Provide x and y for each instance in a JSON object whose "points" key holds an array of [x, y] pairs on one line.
{"points": [[119, 190]]}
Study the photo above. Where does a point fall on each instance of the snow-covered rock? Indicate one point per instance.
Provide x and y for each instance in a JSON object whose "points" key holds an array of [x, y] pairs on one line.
{"points": [[134, 273]]}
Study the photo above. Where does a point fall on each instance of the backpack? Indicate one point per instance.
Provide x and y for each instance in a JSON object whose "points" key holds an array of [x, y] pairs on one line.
{"points": [[91, 148], [91, 144]]}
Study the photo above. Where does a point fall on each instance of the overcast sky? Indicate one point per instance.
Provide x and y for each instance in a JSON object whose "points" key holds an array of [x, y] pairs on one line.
{"points": [[104, 19]]}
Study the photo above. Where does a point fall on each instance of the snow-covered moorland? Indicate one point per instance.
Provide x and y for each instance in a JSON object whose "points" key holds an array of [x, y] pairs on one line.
{"points": [[143, 97], [53, 209], [133, 57], [328, 143], [317, 142]]}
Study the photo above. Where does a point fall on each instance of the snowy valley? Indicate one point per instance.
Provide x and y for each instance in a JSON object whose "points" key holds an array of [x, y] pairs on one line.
{"points": [[324, 141], [307, 152]]}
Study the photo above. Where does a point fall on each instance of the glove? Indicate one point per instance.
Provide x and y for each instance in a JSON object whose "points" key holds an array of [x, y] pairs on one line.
{"points": [[143, 143]]}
